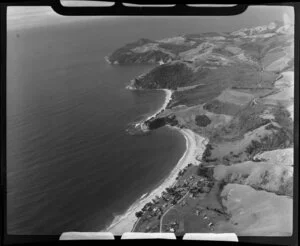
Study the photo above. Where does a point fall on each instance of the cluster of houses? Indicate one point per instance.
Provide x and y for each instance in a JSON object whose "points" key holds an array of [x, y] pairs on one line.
{"points": [[152, 208], [192, 185], [183, 171], [172, 195]]}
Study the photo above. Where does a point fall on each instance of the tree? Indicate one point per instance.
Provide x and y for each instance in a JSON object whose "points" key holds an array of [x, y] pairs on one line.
{"points": [[139, 214]]}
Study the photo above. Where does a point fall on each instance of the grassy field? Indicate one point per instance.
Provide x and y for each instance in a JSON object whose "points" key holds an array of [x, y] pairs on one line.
{"points": [[269, 215]]}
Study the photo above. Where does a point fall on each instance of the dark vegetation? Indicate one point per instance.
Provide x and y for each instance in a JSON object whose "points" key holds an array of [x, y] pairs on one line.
{"points": [[247, 120], [283, 138], [169, 76], [202, 120], [206, 171], [207, 152], [278, 140], [155, 123], [139, 214], [282, 117]]}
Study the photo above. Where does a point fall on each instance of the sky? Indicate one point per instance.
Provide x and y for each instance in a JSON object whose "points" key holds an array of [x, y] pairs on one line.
{"points": [[22, 17]]}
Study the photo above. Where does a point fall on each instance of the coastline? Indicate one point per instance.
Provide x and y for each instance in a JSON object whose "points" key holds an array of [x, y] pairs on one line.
{"points": [[168, 98], [195, 146]]}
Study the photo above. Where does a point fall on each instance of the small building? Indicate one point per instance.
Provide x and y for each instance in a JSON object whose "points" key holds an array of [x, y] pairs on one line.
{"points": [[161, 62]]}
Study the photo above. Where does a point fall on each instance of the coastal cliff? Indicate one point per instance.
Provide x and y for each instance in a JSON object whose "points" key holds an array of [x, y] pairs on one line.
{"points": [[236, 90]]}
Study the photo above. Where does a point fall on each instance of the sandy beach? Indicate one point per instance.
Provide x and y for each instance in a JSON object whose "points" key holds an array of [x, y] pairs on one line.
{"points": [[195, 145], [166, 102], [168, 98]]}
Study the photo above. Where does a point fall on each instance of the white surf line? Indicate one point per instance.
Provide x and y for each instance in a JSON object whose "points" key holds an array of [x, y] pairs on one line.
{"points": [[144, 195]]}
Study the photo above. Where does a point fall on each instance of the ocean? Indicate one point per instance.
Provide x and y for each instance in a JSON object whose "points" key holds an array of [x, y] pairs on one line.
{"points": [[71, 165]]}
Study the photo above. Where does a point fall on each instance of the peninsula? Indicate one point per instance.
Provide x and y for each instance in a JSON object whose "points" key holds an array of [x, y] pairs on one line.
{"points": [[233, 99]]}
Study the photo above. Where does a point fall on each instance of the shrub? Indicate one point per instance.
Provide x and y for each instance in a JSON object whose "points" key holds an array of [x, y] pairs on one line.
{"points": [[202, 120], [168, 76], [139, 214]]}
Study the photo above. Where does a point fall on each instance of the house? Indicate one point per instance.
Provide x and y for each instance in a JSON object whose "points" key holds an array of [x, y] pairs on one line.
{"points": [[166, 197]]}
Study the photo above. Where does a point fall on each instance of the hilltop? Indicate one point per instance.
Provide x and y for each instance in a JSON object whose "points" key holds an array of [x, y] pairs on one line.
{"points": [[236, 90]]}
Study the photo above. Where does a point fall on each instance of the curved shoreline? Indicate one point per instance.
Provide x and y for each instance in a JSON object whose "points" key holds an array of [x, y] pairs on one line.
{"points": [[168, 98], [164, 106], [195, 145]]}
